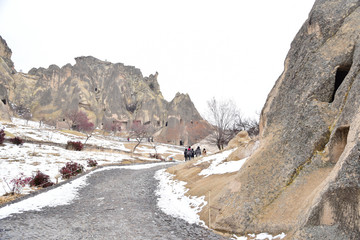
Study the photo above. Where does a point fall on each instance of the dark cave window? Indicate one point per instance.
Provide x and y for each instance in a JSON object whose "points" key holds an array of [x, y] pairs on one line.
{"points": [[95, 89], [4, 101], [152, 87], [166, 124], [339, 142], [341, 73]]}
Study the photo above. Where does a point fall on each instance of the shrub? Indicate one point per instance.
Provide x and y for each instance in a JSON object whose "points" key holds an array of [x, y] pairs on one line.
{"points": [[16, 140], [18, 184], [92, 163], [2, 136], [71, 169], [77, 146], [41, 180]]}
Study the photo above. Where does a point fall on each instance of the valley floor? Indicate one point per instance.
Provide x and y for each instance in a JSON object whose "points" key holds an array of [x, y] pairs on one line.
{"points": [[129, 197], [116, 203]]}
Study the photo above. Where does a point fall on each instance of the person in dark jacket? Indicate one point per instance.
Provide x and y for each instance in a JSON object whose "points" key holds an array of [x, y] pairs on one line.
{"points": [[189, 153], [198, 152], [185, 154]]}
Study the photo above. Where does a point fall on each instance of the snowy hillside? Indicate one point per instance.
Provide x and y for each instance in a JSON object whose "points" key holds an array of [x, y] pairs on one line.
{"points": [[44, 151]]}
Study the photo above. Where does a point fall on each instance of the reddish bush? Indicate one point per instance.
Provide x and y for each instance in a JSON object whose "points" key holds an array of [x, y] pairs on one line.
{"points": [[41, 180], [2, 136], [18, 184], [77, 146], [16, 140], [92, 163], [71, 169]]}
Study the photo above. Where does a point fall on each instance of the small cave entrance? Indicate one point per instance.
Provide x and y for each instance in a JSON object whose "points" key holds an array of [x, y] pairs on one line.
{"points": [[339, 141], [3, 101], [340, 75]]}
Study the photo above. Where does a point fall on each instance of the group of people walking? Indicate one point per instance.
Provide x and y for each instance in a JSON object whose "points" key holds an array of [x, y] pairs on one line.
{"points": [[191, 153]]}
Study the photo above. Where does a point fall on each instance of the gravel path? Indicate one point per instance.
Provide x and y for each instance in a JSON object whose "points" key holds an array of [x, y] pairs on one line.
{"points": [[117, 204]]}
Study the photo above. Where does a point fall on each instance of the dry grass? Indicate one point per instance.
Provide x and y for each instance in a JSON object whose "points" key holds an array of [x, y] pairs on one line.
{"points": [[7, 134], [54, 154], [8, 198], [129, 146], [9, 125], [76, 133], [34, 154], [17, 160], [35, 163], [58, 162]]}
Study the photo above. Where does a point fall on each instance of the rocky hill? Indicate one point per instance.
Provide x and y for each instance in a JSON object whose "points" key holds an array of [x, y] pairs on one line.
{"points": [[105, 91], [304, 178]]}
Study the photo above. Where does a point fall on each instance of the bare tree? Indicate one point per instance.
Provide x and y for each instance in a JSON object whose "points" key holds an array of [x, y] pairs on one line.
{"points": [[246, 124], [70, 117], [111, 125], [85, 126], [221, 115], [79, 121], [27, 116], [140, 132], [23, 112]]}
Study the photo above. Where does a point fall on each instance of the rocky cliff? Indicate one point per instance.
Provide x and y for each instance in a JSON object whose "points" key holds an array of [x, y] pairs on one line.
{"points": [[105, 91], [304, 178]]}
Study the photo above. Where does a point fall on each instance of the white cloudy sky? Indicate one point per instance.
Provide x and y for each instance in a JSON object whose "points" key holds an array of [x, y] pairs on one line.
{"points": [[222, 48]]}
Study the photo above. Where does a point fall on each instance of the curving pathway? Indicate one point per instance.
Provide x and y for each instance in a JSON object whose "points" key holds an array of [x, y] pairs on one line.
{"points": [[116, 204]]}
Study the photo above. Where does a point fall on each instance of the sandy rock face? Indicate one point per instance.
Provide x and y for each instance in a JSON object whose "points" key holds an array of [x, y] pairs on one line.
{"points": [[5, 54], [107, 92], [6, 78], [304, 179]]}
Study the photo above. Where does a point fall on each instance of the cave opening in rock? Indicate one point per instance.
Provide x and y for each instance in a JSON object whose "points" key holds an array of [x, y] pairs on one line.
{"points": [[340, 75], [4, 101], [339, 142]]}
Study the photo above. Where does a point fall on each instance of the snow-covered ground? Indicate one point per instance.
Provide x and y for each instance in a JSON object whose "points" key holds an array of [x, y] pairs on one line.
{"points": [[29, 158], [260, 236], [173, 201]]}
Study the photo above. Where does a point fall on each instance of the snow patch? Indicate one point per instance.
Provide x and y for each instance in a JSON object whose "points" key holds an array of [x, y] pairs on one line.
{"points": [[222, 168], [172, 199], [260, 236]]}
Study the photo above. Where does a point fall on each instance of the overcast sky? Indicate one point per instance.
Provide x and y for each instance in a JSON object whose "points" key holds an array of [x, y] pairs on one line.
{"points": [[206, 48]]}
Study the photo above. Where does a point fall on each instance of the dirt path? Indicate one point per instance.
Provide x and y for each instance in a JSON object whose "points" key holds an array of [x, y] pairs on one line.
{"points": [[117, 204]]}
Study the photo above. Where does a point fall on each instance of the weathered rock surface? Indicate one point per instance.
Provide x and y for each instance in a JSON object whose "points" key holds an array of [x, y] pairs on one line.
{"points": [[306, 171], [304, 178], [6, 77], [105, 91]]}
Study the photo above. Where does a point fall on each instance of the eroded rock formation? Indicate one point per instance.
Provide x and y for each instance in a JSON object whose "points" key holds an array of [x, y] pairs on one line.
{"points": [[304, 178], [105, 91]]}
